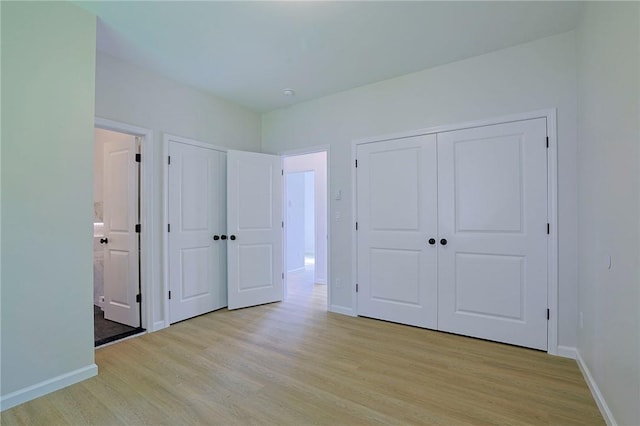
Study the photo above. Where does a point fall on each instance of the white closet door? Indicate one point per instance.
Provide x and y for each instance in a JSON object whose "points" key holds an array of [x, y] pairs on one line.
{"points": [[254, 223], [121, 243], [397, 215], [195, 205], [492, 211]]}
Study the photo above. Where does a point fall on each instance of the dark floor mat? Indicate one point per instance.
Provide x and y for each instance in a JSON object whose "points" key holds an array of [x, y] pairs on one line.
{"points": [[105, 331]]}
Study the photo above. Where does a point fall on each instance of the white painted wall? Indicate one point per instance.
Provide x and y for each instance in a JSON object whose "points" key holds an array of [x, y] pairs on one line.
{"points": [[316, 162], [528, 77], [132, 95], [609, 197], [295, 206], [309, 213], [48, 72]]}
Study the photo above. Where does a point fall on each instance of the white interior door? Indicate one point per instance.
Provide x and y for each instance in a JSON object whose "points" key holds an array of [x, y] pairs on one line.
{"points": [[196, 249], [120, 210], [492, 201], [397, 216], [254, 222]]}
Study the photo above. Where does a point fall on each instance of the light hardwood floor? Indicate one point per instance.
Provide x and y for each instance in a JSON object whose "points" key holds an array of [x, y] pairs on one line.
{"points": [[294, 363]]}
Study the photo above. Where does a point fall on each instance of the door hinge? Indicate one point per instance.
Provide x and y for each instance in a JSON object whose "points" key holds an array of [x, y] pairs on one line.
{"points": [[356, 226], [283, 223], [168, 227], [169, 294], [282, 275], [168, 159], [138, 158], [356, 164], [356, 287], [138, 298], [282, 170], [138, 228], [548, 228], [547, 141], [548, 313]]}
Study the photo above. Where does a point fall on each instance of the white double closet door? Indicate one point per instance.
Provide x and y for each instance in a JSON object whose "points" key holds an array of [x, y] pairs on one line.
{"points": [[452, 232], [224, 229]]}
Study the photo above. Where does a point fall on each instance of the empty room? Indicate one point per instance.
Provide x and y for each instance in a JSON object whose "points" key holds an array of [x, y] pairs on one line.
{"points": [[310, 212]]}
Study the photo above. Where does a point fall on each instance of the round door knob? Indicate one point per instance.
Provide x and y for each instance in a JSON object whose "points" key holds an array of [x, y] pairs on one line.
{"points": [[432, 241], [223, 237], [216, 237], [104, 240], [232, 237], [443, 241]]}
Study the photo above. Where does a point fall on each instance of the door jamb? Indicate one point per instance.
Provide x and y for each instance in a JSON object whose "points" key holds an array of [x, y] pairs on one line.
{"points": [[304, 151], [552, 204], [148, 266]]}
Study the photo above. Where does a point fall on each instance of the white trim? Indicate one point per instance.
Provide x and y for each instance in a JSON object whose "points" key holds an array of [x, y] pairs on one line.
{"points": [[354, 234], [303, 151], [566, 351], [552, 201], [343, 310], [158, 325], [51, 385], [200, 144], [595, 391], [552, 241], [148, 265], [545, 113], [167, 138]]}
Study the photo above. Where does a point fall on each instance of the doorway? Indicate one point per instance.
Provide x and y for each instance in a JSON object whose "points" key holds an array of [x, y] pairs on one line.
{"points": [[305, 200], [116, 236]]}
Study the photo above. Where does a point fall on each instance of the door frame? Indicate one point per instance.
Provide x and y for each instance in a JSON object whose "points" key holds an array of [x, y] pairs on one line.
{"points": [[167, 138], [148, 268], [303, 151], [552, 204]]}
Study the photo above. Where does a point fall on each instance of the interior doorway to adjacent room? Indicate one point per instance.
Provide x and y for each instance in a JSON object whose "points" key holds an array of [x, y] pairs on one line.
{"points": [[116, 236], [305, 199]]}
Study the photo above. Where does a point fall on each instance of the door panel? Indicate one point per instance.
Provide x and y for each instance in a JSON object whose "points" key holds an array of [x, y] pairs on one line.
{"points": [[254, 215], [396, 211], [121, 283], [492, 210], [196, 199]]}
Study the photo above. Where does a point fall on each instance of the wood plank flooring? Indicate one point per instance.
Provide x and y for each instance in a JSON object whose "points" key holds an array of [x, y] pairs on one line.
{"points": [[293, 363]]}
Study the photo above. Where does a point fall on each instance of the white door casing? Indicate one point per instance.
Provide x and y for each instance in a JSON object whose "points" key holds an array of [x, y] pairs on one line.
{"points": [[196, 193], [120, 210], [397, 215], [492, 210], [254, 224]]}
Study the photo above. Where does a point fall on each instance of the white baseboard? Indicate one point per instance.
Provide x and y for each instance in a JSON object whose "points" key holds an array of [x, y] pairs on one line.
{"points": [[566, 351], [40, 389], [159, 325], [342, 310], [595, 391]]}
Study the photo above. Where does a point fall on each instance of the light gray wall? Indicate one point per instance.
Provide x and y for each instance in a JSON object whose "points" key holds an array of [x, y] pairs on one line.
{"points": [[309, 213], [129, 94], [295, 220], [609, 196], [48, 71], [532, 76]]}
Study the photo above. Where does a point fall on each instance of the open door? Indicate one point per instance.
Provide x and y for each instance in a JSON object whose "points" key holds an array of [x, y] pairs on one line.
{"points": [[254, 225], [121, 282], [196, 241]]}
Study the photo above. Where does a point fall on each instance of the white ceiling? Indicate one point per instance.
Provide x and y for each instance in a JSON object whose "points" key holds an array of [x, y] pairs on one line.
{"points": [[248, 52]]}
